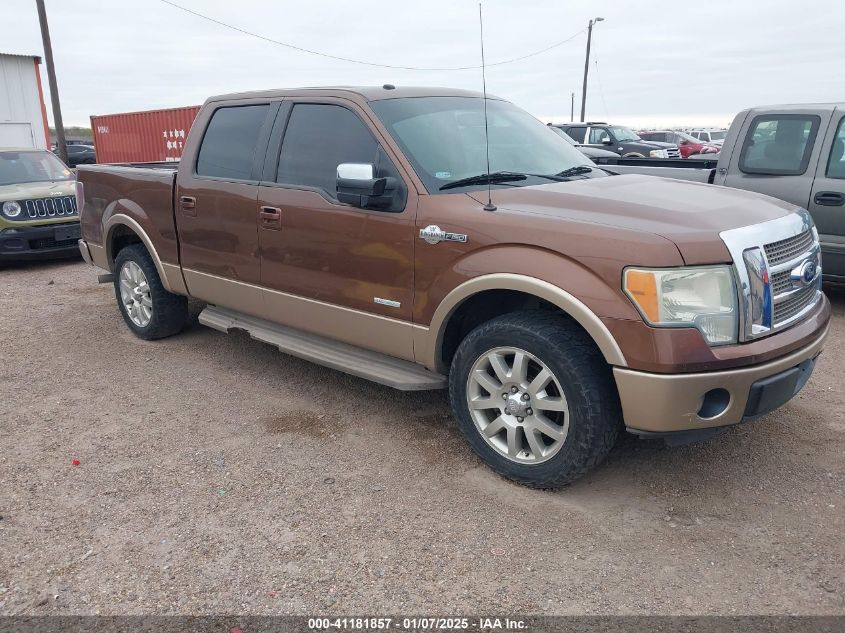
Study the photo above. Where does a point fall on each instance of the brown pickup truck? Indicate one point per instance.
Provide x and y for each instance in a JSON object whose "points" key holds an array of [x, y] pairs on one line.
{"points": [[352, 227]]}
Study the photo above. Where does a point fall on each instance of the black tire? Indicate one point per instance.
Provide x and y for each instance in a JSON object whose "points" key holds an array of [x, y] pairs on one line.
{"points": [[169, 311], [595, 417]]}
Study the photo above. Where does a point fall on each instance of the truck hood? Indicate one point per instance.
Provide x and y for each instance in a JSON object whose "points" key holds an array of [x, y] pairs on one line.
{"points": [[26, 190], [689, 214], [660, 144]]}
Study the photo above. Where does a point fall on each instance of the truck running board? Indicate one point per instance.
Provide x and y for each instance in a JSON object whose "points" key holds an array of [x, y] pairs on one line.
{"points": [[380, 368]]}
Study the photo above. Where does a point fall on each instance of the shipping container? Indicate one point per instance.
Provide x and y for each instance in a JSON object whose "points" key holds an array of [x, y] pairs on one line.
{"points": [[142, 137], [23, 117]]}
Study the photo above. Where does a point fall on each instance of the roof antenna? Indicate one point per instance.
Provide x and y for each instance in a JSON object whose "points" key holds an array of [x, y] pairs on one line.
{"points": [[489, 206]]}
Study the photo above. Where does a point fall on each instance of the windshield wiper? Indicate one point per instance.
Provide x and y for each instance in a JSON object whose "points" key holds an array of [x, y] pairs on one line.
{"points": [[575, 171], [482, 179]]}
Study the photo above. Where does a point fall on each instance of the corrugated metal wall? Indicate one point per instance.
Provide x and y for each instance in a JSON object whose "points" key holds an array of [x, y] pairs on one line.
{"points": [[21, 114], [141, 137]]}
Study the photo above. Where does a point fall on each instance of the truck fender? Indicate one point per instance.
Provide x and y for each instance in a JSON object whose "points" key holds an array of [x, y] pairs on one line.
{"points": [[170, 274], [429, 343]]}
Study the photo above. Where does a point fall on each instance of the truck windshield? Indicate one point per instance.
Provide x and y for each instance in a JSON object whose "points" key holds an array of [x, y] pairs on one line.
{"points": [[35, 166], [443, 137]]}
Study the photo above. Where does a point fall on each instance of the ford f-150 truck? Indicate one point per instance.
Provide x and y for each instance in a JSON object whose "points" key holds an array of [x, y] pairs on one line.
{"points": [[792, 152], [376, 231]]}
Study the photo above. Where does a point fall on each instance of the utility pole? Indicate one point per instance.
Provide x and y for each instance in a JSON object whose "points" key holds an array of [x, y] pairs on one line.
{"points": [[587, 65], [572, 109], [51, 77]]}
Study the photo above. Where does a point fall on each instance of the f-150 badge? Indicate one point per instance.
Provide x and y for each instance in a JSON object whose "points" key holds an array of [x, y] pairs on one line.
{"points": [[434, 234]]}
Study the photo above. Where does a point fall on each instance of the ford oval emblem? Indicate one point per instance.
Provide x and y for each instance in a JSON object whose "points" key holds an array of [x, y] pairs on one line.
{"points": [[806, 273]]}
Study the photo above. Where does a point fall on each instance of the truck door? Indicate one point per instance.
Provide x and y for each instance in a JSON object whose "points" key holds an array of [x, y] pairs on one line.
{"points": [[778, 155], [215, 198], [328, 267], [827, 202]]}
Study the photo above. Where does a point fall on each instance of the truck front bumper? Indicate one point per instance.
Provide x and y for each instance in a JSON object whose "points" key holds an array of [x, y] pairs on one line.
{"points": [[36, 242], [694, 406]]}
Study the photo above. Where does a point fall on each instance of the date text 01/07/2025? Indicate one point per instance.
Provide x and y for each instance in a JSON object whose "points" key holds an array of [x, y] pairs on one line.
{"points": [[415, 623]]}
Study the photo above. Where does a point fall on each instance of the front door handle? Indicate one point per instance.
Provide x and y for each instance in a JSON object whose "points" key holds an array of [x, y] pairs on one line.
{"points": [[270, 217], [829, 199], [188, 205]]}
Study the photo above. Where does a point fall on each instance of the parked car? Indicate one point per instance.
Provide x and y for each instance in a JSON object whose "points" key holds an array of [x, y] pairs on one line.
{"points": [[688, 145], [589, 152], [714, 137], [558, 303], [794, 153], [38, 213], [69, 142], [618, 139], [79, 154]]}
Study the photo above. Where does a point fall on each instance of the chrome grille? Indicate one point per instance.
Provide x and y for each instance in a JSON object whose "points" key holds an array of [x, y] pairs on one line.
{"points": [[781, 282], [48, 207], [794, 304], [673, 152], [778, 267], [788, 249]]}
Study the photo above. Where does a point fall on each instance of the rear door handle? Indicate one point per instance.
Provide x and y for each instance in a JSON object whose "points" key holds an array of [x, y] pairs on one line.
{"points": [[829, 199], [270, 217], [188, 205]]}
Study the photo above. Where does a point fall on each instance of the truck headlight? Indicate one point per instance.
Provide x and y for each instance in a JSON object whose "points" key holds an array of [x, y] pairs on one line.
{"points": [[701, 297], [658, 153], [11, 209]]}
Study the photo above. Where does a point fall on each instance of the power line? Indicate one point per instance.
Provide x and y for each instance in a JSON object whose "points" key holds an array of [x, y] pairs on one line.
{"points": [[359, 61], [601, 90]]}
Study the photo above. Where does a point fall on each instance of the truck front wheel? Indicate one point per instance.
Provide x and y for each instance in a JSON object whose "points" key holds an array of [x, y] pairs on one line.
{"points": [[534, 398], [149, 310]]}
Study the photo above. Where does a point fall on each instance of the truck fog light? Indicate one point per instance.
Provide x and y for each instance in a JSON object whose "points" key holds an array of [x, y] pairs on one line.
{"points": [[714, 403]]}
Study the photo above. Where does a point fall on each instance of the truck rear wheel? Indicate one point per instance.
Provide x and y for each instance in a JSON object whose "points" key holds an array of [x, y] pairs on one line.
{"points": [[534, 398], [149, 310]]}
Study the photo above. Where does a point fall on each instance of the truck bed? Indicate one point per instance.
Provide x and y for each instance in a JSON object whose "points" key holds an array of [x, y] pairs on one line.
{"points": [[142, 191], [696, 170]]}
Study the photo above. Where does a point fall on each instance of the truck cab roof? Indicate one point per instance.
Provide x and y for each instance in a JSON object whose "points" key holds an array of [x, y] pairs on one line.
{"points": [[367, 93]]}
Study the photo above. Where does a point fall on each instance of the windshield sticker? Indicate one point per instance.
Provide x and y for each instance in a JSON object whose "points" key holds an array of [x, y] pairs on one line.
{"points": [[443, 175]]}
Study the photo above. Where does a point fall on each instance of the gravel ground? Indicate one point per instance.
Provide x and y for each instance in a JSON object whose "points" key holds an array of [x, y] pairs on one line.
{"points": [[217, 475]]}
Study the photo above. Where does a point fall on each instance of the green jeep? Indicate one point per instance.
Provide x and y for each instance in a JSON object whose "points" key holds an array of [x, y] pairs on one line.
{"points": [[38, 214]]}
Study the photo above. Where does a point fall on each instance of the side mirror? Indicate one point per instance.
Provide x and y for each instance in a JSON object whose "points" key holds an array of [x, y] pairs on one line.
{"points": [[606, 141], [358, 186]]}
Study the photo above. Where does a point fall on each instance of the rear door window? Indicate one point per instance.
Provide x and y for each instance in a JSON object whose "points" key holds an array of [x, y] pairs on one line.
{"points": [[577, 133], [779, 144], [836, 161], [230, 142]]}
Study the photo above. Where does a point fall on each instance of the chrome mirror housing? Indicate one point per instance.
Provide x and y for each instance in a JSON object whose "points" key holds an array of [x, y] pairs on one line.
{"points": [[355, 171]]}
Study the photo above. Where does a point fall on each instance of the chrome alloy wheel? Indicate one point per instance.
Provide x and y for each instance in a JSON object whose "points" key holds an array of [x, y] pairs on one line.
{"points": [[517, 405], [135, 294]]}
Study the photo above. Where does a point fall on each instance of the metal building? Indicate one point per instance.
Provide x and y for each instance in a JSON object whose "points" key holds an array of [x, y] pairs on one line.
{"points": [[23, 116]]}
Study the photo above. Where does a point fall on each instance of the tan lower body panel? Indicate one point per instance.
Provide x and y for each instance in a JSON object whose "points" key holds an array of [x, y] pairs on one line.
{"points": [[664, 403], [86, 254], [369, 331], [171, 274], [99, 257], [380, 368]]}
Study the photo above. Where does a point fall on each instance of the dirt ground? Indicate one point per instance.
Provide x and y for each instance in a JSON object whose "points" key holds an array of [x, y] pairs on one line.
{"points": [[217, 475]]}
